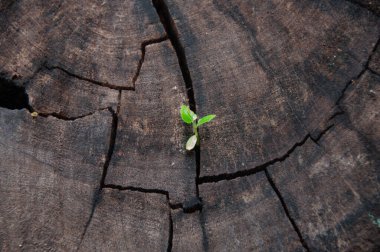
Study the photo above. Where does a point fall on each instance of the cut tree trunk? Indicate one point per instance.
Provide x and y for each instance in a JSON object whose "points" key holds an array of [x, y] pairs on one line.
{"points": [[92, 144]]}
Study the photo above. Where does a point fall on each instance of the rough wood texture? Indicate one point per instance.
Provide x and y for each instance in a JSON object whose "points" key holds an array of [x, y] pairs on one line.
{"points": [[149, 151], [332, 187], [187, 231], [238, 215], [372, 5], [128, 221], [362, 106], [98, 40], [291, 162], [55, 92], [277, 71], [374, 64], [50, 170]]}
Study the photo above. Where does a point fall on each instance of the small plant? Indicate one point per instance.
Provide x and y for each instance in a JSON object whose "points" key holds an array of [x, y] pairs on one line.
{"points": [[189, 117], [374, 220]]}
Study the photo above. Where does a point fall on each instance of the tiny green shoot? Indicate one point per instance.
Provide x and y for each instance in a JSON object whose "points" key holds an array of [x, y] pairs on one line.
{"points": [[189, 117], [374, 220]]}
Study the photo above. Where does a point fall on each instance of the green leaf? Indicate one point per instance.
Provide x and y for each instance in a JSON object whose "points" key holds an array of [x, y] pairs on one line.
{"points": [[205, 119], [193, 115], [185, 114], [191, 142]]}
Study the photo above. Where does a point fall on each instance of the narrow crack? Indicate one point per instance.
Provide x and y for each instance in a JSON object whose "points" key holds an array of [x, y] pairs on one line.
{"points": [[99, 83], [155, 191], [172, 33], [137, 189], [112, 141], [279, 195], [144, 44], [16, 97], [171, 232], [319, 136], [202, 222], [373, 71], [262, 167], [187, 207], [69, 118], [277, 191], [111, 146], [286, 210], [365, 68], [256, 169], [95, 201], [338, 113]]}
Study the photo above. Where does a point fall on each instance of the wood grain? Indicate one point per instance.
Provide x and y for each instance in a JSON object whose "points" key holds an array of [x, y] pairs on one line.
{"points": [[56, 92], [98, 40], [149, 150], [269, 70], [291, 162], [243, 214], [128, 221], [50, 170], [332, 187]]}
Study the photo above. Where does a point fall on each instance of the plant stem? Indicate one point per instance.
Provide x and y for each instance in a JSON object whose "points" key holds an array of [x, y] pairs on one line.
{"points": [[195, 129]]}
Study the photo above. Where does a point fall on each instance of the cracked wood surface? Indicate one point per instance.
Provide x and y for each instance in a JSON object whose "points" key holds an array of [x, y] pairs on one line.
{"points": [[331, 187], [374, 65], [149, 149], [53, 91], [275, 75], [128, 221], [243, 214], [97, 40], [49, 172], [291, 163]]}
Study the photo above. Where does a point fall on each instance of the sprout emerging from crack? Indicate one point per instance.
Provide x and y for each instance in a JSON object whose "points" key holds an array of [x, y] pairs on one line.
{"points": [[189, 117], [374, 220]]}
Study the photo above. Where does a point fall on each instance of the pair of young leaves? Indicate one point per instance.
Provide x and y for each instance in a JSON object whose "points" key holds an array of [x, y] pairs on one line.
{"points": [[189, 117]]}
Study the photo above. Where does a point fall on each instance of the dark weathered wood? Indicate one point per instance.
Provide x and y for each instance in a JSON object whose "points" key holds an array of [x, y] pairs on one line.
{"points": [[374, 64], [50, 170], [269, 70], [243, 214], [291, 162], [332, 187], [98, 40], [372, 5], [187, 231], [56, 92], [128, 221], [361, 104], [149, 151]]}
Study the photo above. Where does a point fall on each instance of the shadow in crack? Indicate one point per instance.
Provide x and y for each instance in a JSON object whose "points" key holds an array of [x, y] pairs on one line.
{"points": [[13, 96]]}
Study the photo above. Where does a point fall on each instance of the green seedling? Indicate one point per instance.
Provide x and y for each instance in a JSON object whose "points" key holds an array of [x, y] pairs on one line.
{"points": [[374, 220], [189, 117]]}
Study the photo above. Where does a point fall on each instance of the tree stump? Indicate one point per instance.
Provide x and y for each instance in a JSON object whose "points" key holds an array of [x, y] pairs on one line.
{"points": [[92, 145]]}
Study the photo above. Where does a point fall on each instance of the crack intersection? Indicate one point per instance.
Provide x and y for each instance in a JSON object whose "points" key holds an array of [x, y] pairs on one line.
{"points": [[172, 33], [286, 210], [144, 44]]}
